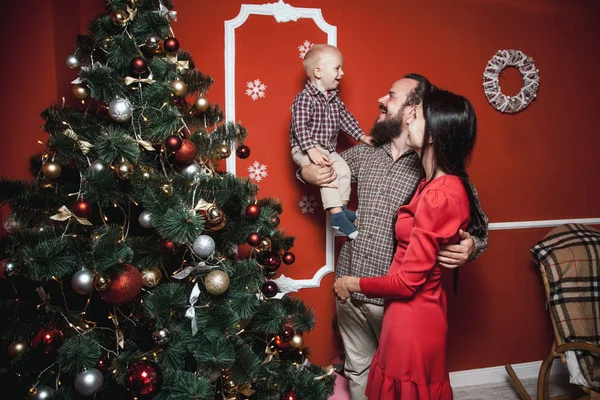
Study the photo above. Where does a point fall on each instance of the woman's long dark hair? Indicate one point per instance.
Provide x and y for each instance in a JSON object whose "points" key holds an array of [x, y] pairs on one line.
{"points": [[451, 123]]}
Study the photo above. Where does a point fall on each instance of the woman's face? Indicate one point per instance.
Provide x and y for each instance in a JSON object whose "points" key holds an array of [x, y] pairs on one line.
{"points": [[416, 128]]}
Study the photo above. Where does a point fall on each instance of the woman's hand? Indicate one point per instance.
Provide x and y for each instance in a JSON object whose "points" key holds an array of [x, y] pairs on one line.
{"points": [[345, 286]]}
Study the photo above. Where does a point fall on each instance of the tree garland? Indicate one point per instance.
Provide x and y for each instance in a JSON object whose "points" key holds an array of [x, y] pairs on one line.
{"points": [[491, 86]]}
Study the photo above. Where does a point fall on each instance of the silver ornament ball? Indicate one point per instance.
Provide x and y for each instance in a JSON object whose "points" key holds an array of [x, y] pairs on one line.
{"points": [[97, 166], [11, 225], [9, 268], [191, 170], [42, 392], [120, 110], [203, 246], [72, 61], [161, 336], [145, 220], [152, 42], [83, 281], [89, 382]]}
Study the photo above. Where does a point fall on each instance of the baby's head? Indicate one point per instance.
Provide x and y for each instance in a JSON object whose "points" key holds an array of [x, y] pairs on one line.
{"points": [[323, 66]]}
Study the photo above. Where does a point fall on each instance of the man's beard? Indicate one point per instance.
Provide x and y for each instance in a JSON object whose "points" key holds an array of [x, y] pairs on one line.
{"points": [[388, 129]]}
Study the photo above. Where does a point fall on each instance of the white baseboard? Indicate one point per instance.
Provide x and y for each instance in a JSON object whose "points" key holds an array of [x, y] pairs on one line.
{"points": [[483, 376]]}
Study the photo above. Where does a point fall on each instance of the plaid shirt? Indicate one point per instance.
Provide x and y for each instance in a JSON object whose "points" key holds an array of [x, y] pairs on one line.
{"points": [[317, 119], [383, 185]]}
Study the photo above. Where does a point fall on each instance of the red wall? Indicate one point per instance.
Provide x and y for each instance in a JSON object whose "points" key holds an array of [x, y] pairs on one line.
{"points": [[538, 164]]}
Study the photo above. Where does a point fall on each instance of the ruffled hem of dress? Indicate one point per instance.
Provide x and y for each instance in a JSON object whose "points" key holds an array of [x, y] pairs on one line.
{"points": [[381, 387]]}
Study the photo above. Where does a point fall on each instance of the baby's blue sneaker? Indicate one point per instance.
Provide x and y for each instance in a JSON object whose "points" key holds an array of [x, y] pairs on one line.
{"points": [[340, 222], [351, 215]]}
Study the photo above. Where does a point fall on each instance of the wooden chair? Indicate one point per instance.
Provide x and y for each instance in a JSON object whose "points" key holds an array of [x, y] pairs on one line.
{"points": [[565, 253]]}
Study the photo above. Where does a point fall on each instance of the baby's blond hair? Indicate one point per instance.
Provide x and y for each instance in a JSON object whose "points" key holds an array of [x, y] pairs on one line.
{"points": [[313, 56]]}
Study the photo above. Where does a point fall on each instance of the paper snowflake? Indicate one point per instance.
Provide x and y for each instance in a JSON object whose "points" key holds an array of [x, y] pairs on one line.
{"points": [[257, 171], [304, 48], [256, 89], [307, 204]]}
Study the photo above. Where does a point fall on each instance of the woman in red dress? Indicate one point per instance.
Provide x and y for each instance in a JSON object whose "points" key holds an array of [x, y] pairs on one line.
{"points": [[410, 362]]}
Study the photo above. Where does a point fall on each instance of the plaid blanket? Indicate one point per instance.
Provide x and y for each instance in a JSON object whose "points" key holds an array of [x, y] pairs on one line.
{"points": [[569, 256]]}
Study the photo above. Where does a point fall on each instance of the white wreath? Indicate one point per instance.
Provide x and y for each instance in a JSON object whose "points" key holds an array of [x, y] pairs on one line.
{"points": [[493, 92]]}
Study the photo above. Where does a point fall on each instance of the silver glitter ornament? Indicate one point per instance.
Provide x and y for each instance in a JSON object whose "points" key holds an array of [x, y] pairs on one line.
{"points": [[42, 392], [161, 336], [89, 382], [191, 170], [82, 281], [97, 166], [203, 246], [72, 61], [120, 110], [145, 220]]}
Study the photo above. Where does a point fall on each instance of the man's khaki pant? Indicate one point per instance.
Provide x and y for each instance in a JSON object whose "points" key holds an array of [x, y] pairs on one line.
{"points": [[330, 197], [360, 327]]}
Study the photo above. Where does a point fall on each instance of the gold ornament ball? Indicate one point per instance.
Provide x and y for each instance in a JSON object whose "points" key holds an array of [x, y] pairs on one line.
{"points": [[124, 170], [16, 348], [216, 282], [264, 245], [51, 170], [222, 152], [214, 214], [119, 17], [81, 91], [101, 282], [151, 277], [167, 189], [178, 87], [201, 103], [297, 341]]}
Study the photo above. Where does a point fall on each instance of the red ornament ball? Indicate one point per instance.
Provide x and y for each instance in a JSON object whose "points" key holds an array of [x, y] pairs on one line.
{"points": [[125, 286], [187, 153], [144, 378], [271, 262], [48, 339], [82, 208], [288, 258], [291, 395], [167, 246], [275, 221], [171, 45], [103, 364], [288, 333], [252, 211], [269, 289], [138, 65], [281, 344], [173, 143], [253, 239], [243, 152]]}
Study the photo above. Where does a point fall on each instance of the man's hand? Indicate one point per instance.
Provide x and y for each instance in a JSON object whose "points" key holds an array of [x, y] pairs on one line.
{"points": [[317, 176], [345, 286], [318, 158], [367, 140], [455, 255]]}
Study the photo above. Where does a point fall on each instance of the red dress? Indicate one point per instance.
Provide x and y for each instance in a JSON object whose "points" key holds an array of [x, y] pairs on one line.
{"points": [[410, 362]]}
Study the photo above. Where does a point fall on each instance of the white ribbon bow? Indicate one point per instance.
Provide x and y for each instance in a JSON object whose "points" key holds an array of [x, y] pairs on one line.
{"points": [[191, 311], [84, 146], [64, 214]]}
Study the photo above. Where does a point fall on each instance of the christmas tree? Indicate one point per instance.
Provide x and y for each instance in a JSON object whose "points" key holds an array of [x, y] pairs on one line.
{"points": [[122, 271]]}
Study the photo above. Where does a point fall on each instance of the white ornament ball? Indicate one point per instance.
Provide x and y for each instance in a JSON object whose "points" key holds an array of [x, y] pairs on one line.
{"points": [[83, 281], [72, 61], [97, 166], [203, 246], [89, 382], [190, 171], [145, 220], [42, 392], [120, 110]]}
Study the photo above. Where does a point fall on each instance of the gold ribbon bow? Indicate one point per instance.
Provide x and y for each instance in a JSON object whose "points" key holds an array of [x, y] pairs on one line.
{"points": [[203, 205], [271, 353], [64, 214], [329, 370], [246, 390], [118, 332], [84, 146], [129, 80], [181, 65], [146, 144]]}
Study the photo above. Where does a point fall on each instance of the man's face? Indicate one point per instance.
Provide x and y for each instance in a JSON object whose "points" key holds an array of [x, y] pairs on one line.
{"points": [[391, 121], [330, 69]]}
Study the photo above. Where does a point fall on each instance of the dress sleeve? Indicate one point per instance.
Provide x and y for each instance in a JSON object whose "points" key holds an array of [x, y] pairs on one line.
{"points": [[437, 219]]}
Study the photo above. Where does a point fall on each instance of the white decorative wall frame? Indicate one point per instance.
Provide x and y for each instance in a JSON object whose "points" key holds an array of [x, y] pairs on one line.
{"points": [[282, 13]]}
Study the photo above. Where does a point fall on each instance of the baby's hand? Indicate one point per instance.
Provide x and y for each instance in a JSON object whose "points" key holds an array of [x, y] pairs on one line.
{"points": [[317, 157], [367, 140]]}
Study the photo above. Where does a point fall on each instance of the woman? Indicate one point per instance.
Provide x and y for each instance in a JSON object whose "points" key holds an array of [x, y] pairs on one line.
{"points": [[410, 362]]}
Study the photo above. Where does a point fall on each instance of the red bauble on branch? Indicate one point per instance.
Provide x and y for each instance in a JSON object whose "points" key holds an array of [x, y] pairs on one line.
{"points": [[288, 258], [167, 246], [253, 239], [173, 143], [288, 333], [144, 378], [291, 395], [252, 211], [48, 339], [270, 261], [243, 152], [82, 208], [187, 153], [171, 45], [138, 65], [125, 286], [269, 289]]}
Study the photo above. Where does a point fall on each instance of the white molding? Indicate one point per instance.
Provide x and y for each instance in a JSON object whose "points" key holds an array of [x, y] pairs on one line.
{"points": [[498, 226], [282, 12], [484, 376]]}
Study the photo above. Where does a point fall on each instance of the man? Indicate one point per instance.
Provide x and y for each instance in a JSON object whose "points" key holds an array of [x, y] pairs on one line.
{"points": [[386, 177]]}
